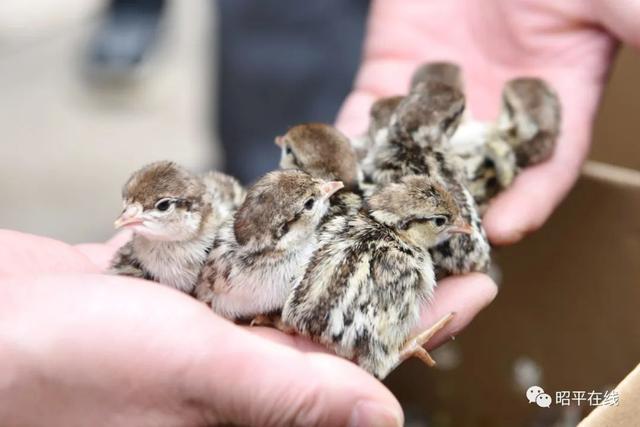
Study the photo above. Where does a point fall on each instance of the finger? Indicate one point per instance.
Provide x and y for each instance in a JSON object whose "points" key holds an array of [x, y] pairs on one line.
{"points": [[529, 202], [195, 363], [22, 253], [536, 192], [101, 254], [353, 117], [275, 385], [260, 382], [119, 239], [465, 296], [376, 78], [293, 340]]}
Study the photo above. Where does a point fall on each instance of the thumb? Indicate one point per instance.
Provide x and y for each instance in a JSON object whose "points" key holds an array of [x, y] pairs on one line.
{"points": [[262, 382]]}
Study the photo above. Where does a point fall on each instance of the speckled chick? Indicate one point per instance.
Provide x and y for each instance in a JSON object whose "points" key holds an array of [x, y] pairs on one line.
{"points": [[174, 216], [417, 144], [262, 252], [530, 119], [443, 72], [525, 134], [364, 289]]}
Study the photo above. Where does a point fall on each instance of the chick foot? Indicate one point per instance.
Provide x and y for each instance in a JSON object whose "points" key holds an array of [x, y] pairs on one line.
{"points": [[272, 321], [414, 346]]}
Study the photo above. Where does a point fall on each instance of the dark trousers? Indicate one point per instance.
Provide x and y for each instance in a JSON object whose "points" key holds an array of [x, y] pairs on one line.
{"points": [[282, 62]]}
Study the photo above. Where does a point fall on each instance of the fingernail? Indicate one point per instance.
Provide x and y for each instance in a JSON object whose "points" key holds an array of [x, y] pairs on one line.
{"points": [[372, 414]]}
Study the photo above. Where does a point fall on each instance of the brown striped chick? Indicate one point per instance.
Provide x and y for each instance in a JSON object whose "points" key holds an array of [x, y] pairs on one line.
{"points": [[443, 72], [324, 152], [488, 160], [417, 144], [174, 216], [530, 119], [364, 289], [381, 110], [524, 134], [262, 252]]}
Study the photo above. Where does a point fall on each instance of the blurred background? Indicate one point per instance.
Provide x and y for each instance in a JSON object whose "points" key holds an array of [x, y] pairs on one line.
{"points": [[90, 90]]}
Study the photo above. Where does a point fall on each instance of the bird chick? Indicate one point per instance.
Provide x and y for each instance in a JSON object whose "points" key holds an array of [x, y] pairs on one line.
{"points": [[380, 118], [446, 73], [493, 153], [530, 119], [262, 252], [381, 111], [429, 115], [324, 152], [488, 160], [174, 215], [364, 289], [418, 144]]}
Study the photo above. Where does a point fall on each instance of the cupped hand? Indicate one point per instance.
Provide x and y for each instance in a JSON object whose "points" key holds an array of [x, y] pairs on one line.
{"points": [[81, 348], [567, 43]]}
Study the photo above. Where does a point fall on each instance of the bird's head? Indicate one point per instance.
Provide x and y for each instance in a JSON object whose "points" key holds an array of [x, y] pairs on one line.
{"points": [[530, 117], [447, 73], [282, 210], [420, 208], [320, 150], [163, 201], [429, 115], [380, 114]]}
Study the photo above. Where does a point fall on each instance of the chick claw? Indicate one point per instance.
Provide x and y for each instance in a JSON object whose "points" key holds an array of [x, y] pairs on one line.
{"points": [[414, 346], [273, 321]]}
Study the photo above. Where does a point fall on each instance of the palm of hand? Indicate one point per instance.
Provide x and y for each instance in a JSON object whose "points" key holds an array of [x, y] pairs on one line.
{"points": [[493, 42], [128, 344]]}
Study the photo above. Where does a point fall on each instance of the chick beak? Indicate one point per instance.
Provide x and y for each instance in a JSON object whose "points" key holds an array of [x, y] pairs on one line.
{"points": [[460, 227], [279, 141], [327, 189], [131, 216]]}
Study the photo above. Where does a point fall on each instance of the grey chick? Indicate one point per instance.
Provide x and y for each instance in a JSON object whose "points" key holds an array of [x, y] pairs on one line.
{"points": [[262, 252], [174, 216], [417, 144], [364, 289]]}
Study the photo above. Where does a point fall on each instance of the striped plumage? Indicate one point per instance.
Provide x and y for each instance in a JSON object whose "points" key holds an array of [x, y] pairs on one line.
{"points": [[365, 286], [261, 253], [417, 144]]}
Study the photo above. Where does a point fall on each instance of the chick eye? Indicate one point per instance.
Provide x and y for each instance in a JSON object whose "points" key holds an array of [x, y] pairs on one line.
{"points": [[308, 205], [439, 221], [164, 204], [287, 150]]}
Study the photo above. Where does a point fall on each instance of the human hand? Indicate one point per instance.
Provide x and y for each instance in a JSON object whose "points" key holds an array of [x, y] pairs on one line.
{"points": [[81, 348], [565, 43]]}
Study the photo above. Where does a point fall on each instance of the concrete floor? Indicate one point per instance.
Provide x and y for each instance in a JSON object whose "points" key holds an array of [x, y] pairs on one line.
{"points": [[67, 145]]}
